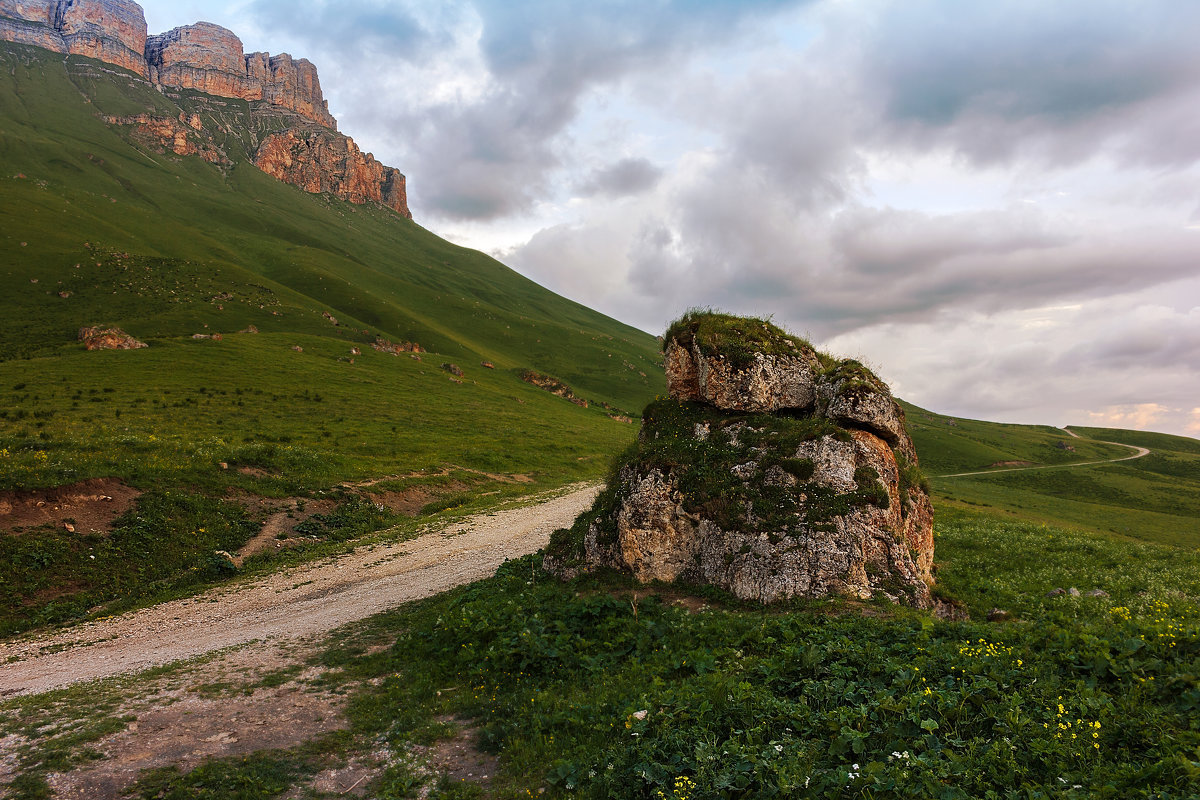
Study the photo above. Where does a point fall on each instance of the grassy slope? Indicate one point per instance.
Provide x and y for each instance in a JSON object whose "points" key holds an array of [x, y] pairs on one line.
{"points": [[193, 231], [166, 247], [99, 231], [948, 445], [1154, 498]]}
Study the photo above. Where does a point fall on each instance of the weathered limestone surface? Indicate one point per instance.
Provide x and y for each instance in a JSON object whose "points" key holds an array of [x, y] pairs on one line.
{"points": [[867, 405], [113, 31], [770, 383], [820, 500], [318, 161]]}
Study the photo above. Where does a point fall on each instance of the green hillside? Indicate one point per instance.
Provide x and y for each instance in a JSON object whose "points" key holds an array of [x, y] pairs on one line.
{"points": [[166, 247], [1155, 498], [291, 399], [949, 445], [99, 231]]}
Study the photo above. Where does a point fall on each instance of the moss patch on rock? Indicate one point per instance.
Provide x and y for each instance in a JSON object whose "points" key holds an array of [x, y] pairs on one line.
{"points": [[737, 339]]}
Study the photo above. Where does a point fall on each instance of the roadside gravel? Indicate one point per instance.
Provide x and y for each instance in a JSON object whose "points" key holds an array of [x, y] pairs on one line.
{"points": [[294, 603]]}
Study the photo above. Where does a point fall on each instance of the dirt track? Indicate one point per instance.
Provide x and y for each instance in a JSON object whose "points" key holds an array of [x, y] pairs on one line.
{"points": [[294, 603], [1138, 453]]}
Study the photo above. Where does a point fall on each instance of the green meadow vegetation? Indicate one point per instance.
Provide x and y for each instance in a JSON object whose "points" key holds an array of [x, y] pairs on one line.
{"points": [[601, 688], [597, 690], [288, 398], [1152, 499], [594, 689]]}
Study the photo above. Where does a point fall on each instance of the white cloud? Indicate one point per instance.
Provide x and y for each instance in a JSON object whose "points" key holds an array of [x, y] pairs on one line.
{"points": [[996, 204]]}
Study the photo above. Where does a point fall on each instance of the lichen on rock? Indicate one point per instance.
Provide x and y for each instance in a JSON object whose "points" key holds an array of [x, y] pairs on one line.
{"points": [[771, 471]]}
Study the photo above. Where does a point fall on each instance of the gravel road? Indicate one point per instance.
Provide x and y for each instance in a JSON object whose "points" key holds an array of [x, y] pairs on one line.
{"points": [[297, 602]]}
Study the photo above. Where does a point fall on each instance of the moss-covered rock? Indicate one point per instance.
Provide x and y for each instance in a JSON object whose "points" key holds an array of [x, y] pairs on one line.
{"points": [[739, 481], [739, 364]]}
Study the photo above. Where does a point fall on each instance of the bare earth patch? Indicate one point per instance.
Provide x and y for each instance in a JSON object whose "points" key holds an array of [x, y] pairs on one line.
{"points": [[88, 506], [278, 530], [410, 501], [211, 710], [458, 758]]}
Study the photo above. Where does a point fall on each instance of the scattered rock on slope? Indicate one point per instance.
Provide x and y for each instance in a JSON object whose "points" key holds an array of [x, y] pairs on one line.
{"points": [[771, 471], [552, 385], [97, 338]]}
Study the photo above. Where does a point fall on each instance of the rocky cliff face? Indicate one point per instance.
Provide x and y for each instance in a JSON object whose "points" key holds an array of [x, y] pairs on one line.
{"points": [[307, 152], [113, 31], [209, 59], [772, 471], [318, 161]]}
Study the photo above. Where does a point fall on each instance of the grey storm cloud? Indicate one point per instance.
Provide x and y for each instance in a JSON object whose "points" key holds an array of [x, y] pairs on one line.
{"points": [[544, 57], [622, 178], [732, 238], [352, 29], [493, 154], [1162, 340], [997, 80]]}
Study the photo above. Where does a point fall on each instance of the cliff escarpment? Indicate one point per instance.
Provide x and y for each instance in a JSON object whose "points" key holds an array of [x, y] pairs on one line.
{"points": [[113, 31], [318, 161], [210, 59], [293, 136]]}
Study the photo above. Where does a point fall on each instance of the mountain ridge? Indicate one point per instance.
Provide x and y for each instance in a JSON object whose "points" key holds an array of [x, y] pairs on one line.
{"points": [[309, 152]]}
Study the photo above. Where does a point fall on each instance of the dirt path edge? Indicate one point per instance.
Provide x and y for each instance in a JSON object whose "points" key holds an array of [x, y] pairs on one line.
{"points": [[297, 602]]}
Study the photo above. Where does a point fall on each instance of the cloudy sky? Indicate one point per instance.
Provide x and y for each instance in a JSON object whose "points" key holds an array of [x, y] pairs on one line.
{"points": [[996, 205]]}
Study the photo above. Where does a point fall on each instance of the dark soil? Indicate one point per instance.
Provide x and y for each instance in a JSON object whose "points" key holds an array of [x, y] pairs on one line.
{"points": [[88, 507]]}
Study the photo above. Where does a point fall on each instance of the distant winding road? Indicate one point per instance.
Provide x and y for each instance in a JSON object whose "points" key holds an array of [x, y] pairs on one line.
{"points": [[1139, 452]]}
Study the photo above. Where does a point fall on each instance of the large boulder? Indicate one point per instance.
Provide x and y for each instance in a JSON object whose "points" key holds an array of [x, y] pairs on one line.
{"points": [[100, 338], [819, 499]]}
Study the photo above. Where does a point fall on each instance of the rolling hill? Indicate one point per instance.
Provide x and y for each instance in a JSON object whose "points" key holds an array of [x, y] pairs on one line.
{"points": [[298, 344], [1154, 498], [102, 230]]}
